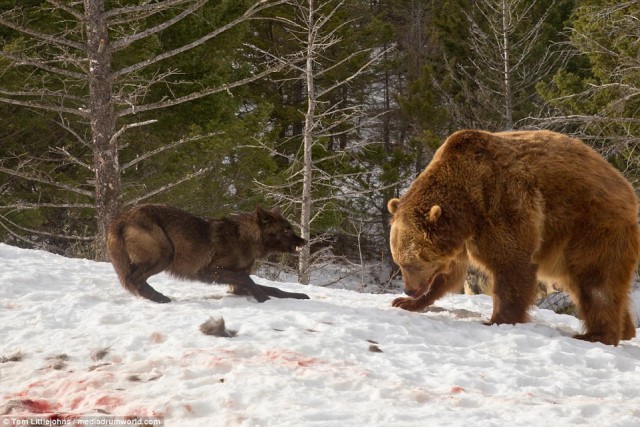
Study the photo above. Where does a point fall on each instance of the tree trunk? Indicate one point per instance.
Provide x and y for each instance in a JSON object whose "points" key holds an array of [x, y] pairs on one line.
{"points": [[507, 67], [307, 138], [108, 195]]}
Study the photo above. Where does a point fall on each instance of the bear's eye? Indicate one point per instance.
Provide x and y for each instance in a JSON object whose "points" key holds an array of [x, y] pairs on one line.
{"points": [[410, 269]]}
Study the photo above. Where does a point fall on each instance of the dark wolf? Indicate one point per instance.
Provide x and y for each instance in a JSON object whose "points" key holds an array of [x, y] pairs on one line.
{"points": [[150, 239]]}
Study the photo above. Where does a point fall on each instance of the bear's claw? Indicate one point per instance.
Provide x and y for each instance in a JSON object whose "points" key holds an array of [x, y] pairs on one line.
{"points": [[409, 304]]}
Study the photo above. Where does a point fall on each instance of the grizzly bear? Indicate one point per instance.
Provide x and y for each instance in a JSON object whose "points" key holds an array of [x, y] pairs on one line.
{"points": [[520, 206]]}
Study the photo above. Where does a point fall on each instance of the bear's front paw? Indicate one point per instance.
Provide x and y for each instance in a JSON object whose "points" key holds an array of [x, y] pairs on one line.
{"points": [[410, 304]]}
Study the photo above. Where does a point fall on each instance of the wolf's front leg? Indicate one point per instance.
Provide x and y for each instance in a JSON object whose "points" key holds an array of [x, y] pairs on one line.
{"points": [[237, 278], [279, 293]]}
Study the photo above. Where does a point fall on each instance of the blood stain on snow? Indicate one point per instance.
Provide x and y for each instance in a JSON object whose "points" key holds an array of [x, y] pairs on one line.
{"points": [[457, 389], [11, 306], [223, 358], [74, 386], [38, 406], [38, 383], [76, 402], [109, 402], [291, 358], [158, 338]]}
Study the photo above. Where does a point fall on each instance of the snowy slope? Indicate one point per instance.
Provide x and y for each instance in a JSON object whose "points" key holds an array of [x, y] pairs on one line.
{"points": [[340, 359]]}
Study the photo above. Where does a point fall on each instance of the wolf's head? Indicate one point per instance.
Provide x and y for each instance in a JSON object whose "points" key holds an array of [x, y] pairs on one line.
{"points": [[277, 233]]}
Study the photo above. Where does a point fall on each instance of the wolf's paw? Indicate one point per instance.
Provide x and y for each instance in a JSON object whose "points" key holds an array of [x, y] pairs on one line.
{"points": [[155, 296]]}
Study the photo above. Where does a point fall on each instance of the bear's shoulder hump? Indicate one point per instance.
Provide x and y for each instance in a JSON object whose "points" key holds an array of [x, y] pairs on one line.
{"points": [[467, 138]]}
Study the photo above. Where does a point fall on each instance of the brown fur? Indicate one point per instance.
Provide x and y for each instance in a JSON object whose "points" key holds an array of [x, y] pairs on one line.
{"points": [[521, 205], [150, 239]]}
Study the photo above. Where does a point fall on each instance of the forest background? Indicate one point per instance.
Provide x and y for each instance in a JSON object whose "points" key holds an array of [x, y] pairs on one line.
{"points": [[326, 109]]}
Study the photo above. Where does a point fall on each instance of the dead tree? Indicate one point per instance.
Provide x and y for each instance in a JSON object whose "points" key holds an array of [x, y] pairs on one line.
{"points": [[326, 115], [504, 41]]}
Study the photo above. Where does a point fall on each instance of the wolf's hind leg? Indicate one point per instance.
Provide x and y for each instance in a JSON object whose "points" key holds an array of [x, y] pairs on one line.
{"points": [[137, 282], [146, 291]]}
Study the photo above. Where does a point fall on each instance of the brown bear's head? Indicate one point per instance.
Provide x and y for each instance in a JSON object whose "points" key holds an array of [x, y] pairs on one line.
{"points": [[421, 245]]}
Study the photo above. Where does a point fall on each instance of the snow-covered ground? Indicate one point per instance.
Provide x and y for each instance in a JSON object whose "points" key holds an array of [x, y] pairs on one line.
{"points": [[74, 343]]}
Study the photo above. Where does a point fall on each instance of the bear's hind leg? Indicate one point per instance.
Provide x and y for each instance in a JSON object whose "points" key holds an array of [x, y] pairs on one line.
{"points": [[628, 328], [602, 310], [601, 266]]}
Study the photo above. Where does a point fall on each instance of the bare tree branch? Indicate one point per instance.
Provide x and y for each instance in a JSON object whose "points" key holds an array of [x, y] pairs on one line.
{"points": [[126, 41], [73, 12], [199, 94], [252, 11], [74, 159], [26, 206], [128, 126], [146, 8], [4, 220], [31, 104], [167, 187], [167, 147], [44, 180], [49, 38], [18, 60]]}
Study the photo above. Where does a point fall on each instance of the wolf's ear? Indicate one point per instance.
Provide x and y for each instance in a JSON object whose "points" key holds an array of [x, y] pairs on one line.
{"points": [[263, 216], [434, 213], [276, 210], [392, 206]]}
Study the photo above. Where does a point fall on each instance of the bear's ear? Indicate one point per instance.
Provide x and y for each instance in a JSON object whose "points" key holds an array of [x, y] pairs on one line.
{"points": [[434, 213], [392, 206]]}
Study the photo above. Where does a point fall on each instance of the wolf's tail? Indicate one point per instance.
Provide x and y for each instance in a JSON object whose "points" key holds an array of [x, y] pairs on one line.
{"points": [[119, 256]]}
